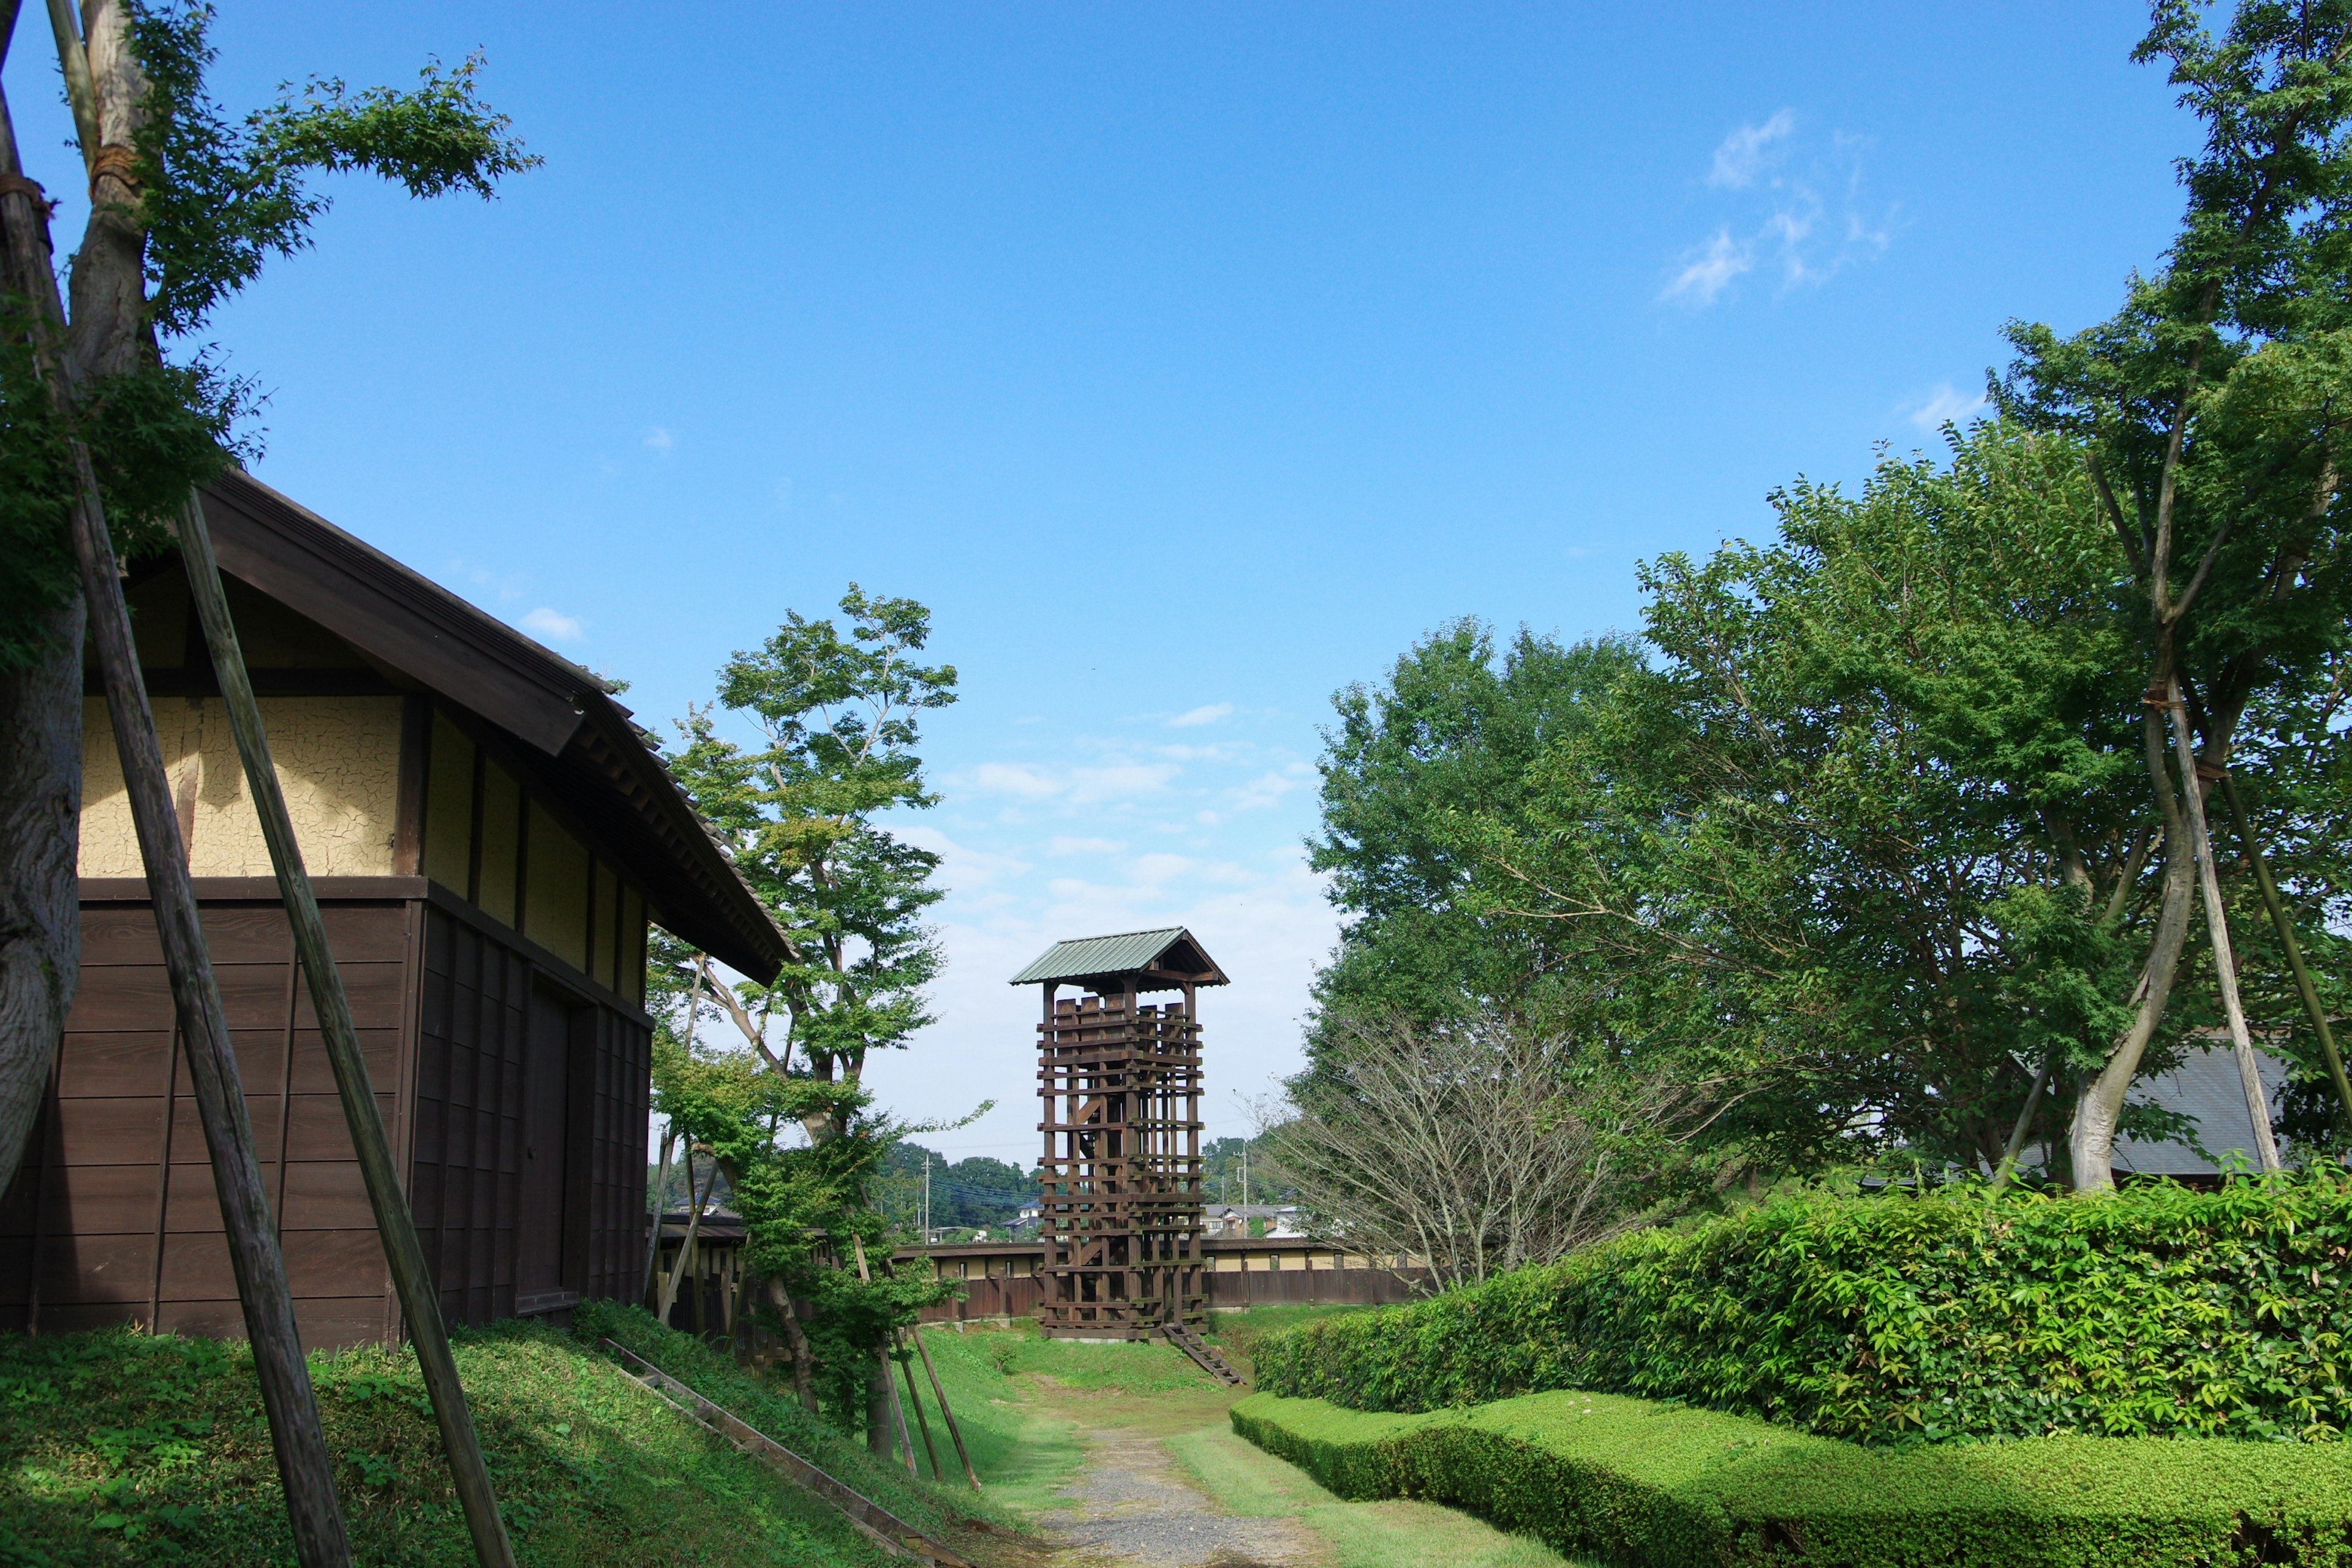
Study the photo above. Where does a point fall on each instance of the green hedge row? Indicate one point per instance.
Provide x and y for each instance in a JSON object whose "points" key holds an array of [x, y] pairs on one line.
{"points": [[2155, 1310], [1669, 1485]]}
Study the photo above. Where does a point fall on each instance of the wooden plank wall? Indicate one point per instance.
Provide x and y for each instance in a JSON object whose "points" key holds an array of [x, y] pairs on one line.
{"points": [[473, 1054], [468, 1154], [613, 1123], [117, 1220]]}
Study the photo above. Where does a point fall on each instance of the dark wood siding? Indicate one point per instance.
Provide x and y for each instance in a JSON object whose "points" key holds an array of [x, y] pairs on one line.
{"points": [[117, 1220], [477, 1063]]}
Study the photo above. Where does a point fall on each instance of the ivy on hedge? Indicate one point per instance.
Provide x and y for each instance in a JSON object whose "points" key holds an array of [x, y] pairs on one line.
{"points": [[2155, 1310], [1668, 1486]]}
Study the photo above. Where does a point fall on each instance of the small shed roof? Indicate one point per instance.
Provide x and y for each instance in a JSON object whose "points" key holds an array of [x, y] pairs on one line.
{"points": [[1148, 960]]}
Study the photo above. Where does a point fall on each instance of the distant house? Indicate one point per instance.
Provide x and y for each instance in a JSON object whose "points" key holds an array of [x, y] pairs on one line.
{"points": [[2206, 1089], [1281, 1220], [490, 834]]}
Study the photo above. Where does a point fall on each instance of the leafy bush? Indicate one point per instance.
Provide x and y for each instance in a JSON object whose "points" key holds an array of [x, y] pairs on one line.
{"points": [[1665, 1486], [2155, 1310]]}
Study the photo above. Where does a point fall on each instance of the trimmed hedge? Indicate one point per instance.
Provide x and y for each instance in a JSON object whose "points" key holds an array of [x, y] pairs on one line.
{"points": [[1667, 1486], [2155, 1310]]}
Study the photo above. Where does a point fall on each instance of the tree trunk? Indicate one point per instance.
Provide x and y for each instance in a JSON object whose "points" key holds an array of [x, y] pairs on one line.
{"points": [[2100, 1107], [111, 334], [877, 1409], [40, 904], [2225, 961], [803, 1359]]}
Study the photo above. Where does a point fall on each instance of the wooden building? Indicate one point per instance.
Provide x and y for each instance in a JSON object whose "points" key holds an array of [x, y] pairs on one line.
{"points": [[490, 834], [1120, 1177]]}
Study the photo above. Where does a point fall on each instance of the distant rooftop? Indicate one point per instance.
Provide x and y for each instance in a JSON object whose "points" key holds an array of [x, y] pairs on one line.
{"points": [[1161, 960]]}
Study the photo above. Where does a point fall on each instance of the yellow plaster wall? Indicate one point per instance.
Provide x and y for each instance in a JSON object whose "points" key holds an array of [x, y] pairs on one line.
{"points": [[337, 761]]}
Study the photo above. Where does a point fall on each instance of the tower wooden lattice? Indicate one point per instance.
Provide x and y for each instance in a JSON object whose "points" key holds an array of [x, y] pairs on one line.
{"points": [[1118, 1079]]}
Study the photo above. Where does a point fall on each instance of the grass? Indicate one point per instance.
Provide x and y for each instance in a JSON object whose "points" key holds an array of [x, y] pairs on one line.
{"points": [[125, 1448], [1021, 1399], [1395, 1535]]}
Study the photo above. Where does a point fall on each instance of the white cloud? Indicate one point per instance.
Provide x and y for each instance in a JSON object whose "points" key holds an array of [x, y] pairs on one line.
{"points": [[660, 440], [553, 626], [1207, 714], [1710, 271], [1268, 788], [1065, 844], [1946, 405], [1014, 779], [1079, 787], [1745, 153], [1797, 206]]}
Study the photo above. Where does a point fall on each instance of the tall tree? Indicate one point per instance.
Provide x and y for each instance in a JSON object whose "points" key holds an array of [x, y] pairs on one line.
{"points": [[187, 205], [836, 709], [1453, 730], [2215, 404]]}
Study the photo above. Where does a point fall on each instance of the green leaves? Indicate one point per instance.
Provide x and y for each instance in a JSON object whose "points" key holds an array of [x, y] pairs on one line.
{"points": [[222, 197], [836, 711], [2153, 1311]]}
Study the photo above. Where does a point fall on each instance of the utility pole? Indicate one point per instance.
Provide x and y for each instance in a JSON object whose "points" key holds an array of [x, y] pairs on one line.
{"points": [[1244, 1172], [927, 1238]]}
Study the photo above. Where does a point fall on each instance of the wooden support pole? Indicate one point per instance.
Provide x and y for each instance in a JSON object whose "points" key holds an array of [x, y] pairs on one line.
{"points": [[955, 1433], [693, 1227], [661, 1202], [907, 1365], [2217, 926], [2280, 922], [882, 1355], [412, 1276], [304, 1465]]}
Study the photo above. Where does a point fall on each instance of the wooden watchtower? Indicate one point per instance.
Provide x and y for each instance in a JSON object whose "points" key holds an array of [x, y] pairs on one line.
{"points": [[1120, 1079]]}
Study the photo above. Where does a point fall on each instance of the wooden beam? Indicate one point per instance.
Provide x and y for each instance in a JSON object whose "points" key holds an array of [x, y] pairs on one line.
{"points": [[420, 1297]]}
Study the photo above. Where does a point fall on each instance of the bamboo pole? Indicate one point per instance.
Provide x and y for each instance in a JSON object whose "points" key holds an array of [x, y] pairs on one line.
{"points": [[939, 1391], [2285, 928], [2217, 926], [304, 1465], [420, 1299]]}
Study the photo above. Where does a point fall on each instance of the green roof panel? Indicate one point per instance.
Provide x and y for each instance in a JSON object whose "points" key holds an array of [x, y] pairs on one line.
{"points": [[1127, 952]]}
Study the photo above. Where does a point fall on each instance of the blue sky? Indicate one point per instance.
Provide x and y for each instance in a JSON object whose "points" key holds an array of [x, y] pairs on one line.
{"points": [[1189, 361]]}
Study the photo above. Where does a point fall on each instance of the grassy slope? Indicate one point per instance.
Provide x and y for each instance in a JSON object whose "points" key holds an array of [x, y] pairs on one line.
{"points": [[125, 1448], [1018, 1395]]}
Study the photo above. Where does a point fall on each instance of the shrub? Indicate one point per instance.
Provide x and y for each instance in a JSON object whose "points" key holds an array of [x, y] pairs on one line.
{"points": [[2155, 1310], [1667, 1486]]}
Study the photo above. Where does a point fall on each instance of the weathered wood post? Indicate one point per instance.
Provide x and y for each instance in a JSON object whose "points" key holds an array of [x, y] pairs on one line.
{"points": [[420, 1299]]}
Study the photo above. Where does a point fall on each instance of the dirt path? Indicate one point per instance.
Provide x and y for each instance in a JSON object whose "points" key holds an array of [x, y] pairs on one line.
{"points": [[1133, 1504]]}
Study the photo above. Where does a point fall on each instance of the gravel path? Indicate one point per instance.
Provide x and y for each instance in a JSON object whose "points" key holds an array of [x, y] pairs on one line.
{"points": [[1134, 1505]]}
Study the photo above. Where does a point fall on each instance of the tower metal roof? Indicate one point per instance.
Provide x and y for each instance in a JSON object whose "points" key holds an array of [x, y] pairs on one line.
{"points": [[1161, 960]]}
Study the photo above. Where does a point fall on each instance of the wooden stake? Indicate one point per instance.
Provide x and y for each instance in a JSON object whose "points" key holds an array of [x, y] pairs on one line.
{"points": [[304, 1465], [955, 1433], [2285, 929], [2217, 926], [882, 1353], [412, 1276], [938, 1392], [907, 1365], [693, 1227], [661, 1204]]}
